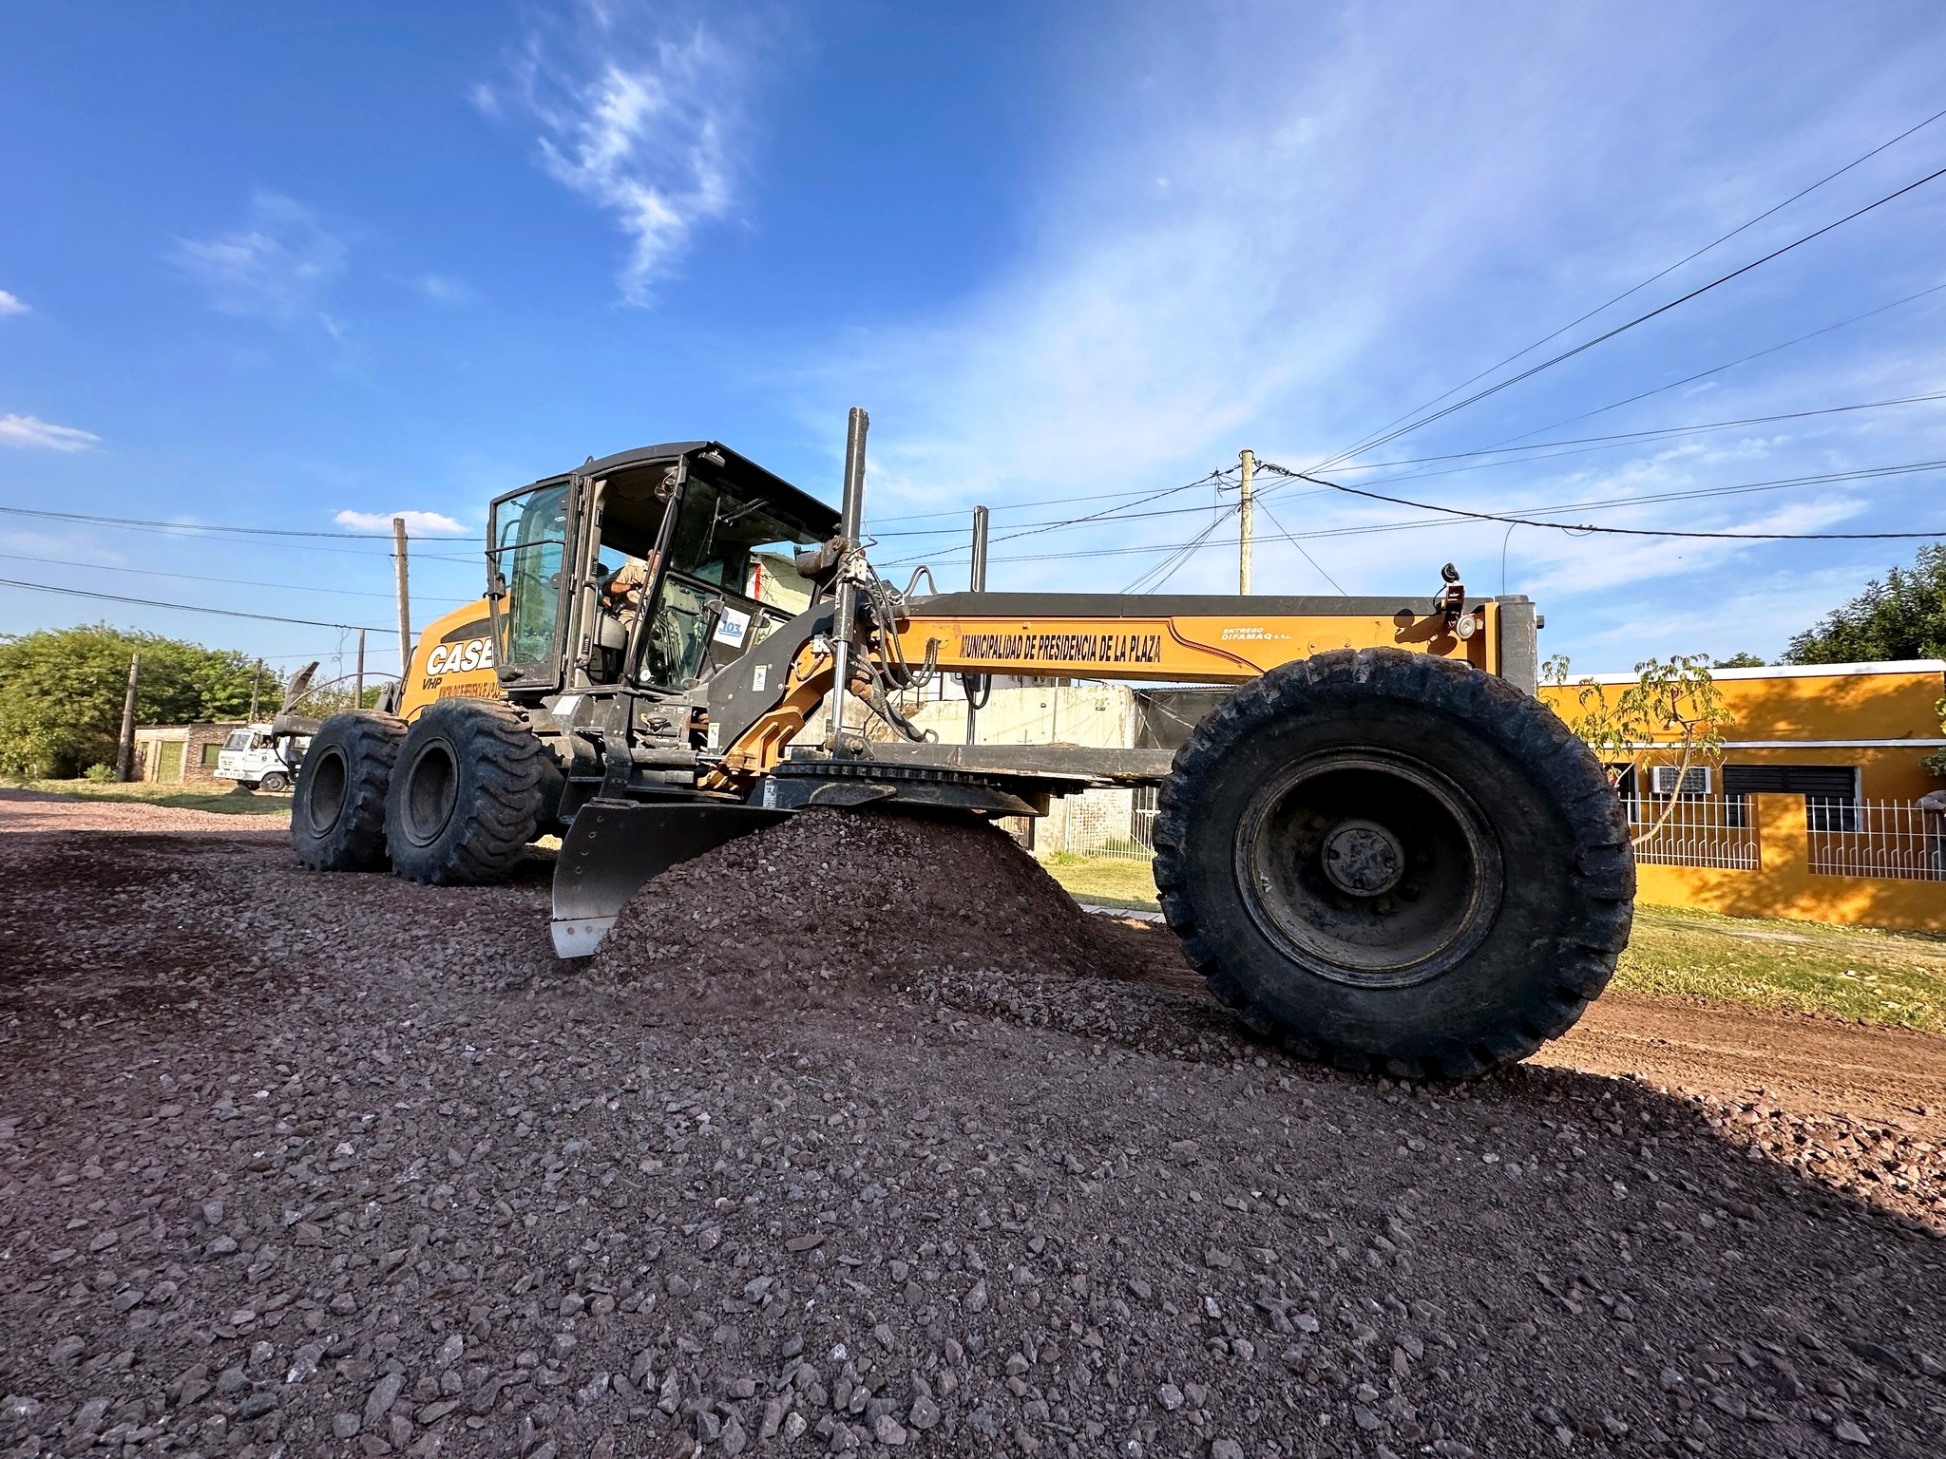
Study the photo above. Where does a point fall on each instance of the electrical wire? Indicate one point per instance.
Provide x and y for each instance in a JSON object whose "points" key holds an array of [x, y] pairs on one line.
{"points": [[1580, 528], [1369, 441], [1216, 478], [1288, 537], [1630, 437], [1692, 494], [119, 570], [1050, 501], [1156, 576], [1425, 420], [1714, 369], [184, 607], [214, 527]]}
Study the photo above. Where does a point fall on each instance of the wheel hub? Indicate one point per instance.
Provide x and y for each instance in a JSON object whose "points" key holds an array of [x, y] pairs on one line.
{"points": [[1369, 867], [1363, 858]]}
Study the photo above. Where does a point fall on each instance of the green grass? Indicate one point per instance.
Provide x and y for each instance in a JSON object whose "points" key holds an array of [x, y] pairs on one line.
{"points": [[1104, 880], [224, 802], [1896, 978], [1880, 977]]}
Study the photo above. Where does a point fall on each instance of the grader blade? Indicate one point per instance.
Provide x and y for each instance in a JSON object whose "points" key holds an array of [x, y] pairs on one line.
{"points": [[613, 848]]}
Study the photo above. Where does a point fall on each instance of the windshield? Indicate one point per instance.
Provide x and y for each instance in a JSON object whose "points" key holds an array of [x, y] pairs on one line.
{"points": [[719, 538], [238, 740], [731, 580], [529, 551]]}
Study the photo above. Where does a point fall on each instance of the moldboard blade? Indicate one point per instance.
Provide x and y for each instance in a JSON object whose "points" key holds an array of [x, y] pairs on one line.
{"points": [[613, 847]]}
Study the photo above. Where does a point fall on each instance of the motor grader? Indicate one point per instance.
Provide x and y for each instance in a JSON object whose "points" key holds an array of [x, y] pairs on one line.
{"points": [[1381, 848]]}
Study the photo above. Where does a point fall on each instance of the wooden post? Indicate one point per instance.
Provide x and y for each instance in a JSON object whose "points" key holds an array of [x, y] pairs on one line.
{"points": [[1246, 519], [125, 754], [358, 694], [405, 605], [256, 683]]}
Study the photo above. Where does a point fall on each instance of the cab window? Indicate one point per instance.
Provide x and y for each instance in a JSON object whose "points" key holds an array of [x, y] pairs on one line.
{"points": [[530, 551], [730, 582]]}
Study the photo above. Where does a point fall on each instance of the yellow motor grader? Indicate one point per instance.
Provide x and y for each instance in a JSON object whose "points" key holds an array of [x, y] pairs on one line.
{"points": [[1381, 848]]}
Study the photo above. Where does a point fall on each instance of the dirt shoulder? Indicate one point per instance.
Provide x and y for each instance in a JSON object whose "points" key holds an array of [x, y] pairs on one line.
{"points": [[344, 1165]]}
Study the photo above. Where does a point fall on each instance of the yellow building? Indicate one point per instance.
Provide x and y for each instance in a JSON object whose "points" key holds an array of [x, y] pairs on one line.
{"points": [[1814, 810], [1830, 732]]}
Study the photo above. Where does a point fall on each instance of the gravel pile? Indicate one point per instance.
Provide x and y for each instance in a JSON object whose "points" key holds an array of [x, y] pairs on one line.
{"points": [[347, 1166], [831, 906]]}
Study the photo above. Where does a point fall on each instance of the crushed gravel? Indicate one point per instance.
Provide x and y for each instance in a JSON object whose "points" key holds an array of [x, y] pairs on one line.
{"points": [[833, 905], [341, 1165]]}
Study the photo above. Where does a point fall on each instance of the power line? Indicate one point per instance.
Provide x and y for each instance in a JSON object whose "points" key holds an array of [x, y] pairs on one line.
{"points": [[1050, 501], [199, 578], [1580, 528], [1300, 547], [1723, 368], [1626, 437], [1656, 498], [182, 607], [1156, 576], [1661, 309], [1652, 278], [1035, 529], [215, 527]]}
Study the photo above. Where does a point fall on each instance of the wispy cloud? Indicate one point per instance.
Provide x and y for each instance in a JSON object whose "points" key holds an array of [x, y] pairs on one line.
{"points": [[10, 305], [280, 265], [1292, 266], [424, 522], [642, 114], [442, 289], [31, 433]]}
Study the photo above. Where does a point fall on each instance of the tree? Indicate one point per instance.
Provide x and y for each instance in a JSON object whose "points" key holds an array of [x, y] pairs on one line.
{"points": [[1678, 698], [61, 692], [1742, 659], [1903, 617]]}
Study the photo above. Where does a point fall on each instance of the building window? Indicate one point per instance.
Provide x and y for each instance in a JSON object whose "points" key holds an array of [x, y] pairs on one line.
{"points": [[210, 752], [1830, 791]]}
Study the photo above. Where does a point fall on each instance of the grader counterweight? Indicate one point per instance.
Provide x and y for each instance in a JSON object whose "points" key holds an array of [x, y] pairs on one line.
{"points": [[1381, 848]]}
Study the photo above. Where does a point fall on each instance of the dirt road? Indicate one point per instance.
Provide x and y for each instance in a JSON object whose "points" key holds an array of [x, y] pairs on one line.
{"points": [[343, 1165]]}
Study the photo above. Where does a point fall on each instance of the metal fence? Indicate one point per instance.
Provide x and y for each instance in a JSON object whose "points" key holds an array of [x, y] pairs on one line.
{"points": [[1714, 832], [1118, 824], [1888, 839], [1896, 840]]}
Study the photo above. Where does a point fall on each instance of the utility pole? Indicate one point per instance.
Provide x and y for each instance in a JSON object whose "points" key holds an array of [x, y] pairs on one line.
{"points": [[256, 682], [358, 694], [405, 602], [1246, 520], [125, 754]]}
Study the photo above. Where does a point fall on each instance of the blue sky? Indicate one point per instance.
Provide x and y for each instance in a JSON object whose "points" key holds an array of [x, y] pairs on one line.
{"points": [[302, 268]]}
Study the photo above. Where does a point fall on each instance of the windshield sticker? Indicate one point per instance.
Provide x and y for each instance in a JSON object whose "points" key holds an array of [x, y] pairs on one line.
{"points": [[731, 627]]}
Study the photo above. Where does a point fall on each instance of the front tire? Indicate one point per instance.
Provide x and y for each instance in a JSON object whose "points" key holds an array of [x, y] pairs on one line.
{"points": [[468, 794], [1394, 862], [338, 820], [275, 782]]}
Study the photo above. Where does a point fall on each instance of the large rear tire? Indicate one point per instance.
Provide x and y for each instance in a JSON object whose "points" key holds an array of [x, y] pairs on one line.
{"points": [[468, 794], [1394, 862], [338, 814]]}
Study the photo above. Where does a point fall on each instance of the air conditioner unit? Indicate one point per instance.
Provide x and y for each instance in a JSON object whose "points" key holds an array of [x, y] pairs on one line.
{"points": [[1695, 781]]}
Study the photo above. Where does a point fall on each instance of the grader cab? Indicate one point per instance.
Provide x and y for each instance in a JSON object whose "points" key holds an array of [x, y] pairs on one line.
{"points": [[1380, 848]]}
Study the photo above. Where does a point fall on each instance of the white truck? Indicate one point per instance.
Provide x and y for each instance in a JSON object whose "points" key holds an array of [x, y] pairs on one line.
{"points": [[256, 759]]}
